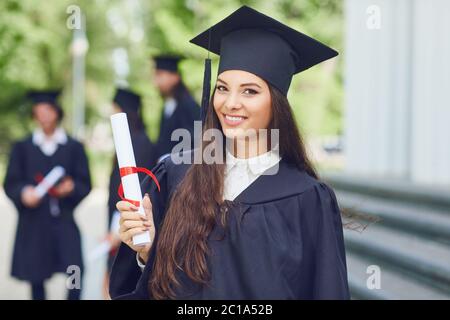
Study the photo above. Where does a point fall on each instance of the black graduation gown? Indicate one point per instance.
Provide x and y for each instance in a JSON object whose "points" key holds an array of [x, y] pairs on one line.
{"points": [[145, 156], [46, 244], [283, 240], [186, 112]]}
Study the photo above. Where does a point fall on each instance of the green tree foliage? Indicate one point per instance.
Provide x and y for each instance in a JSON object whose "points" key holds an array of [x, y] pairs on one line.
{"points": [[35, 53]]}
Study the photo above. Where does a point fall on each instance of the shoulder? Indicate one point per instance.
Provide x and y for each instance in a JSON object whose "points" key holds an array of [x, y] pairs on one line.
{"points": [[141, 138], [177, 164], [75, 144], [170, 170], [19, 144], [311, 190], [302, 183], [189, 102], [281, 182]]}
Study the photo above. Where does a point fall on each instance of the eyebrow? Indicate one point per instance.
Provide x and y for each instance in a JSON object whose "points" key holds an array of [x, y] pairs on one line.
{"points": [[243, 84]]}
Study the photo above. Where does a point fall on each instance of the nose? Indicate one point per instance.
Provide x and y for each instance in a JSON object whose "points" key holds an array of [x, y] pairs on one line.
{"points": [[233, 102]]}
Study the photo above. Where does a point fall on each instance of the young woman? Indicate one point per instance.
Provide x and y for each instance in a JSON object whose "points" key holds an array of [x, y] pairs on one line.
{"points": [[47, 238], [259, 225]]}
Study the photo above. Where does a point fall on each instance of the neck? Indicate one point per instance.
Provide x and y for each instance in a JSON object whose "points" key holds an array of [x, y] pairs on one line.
{"points": [[49, 131], [250, 147]]}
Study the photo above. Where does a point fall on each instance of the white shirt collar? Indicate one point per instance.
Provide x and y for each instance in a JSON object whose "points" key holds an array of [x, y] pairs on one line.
{"points": [[169, 107], [256, 165], [49, 144]]}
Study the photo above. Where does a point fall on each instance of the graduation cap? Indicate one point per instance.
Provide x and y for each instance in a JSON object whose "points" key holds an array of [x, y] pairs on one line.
{"points": [[251, 41], [167, 62], [46, 96], [127, 100]]}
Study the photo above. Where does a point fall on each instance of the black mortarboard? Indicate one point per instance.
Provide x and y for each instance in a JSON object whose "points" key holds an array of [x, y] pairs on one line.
{"points": [[167, 62], [46, 96], [127, 100], [251, 41]]}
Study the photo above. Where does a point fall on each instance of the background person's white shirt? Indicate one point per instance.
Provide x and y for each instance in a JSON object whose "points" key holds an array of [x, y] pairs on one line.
{"points": [[49, 144], [169, 107]]}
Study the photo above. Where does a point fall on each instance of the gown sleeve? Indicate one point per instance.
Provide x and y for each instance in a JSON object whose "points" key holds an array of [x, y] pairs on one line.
{"points": [[15, 179], [329, 279], [81, 177], [125, 273]]}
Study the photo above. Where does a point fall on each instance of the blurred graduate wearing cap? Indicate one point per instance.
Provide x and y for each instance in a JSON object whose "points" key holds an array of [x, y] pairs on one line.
{"points": [[262, 225], [180, 109], [145, 155], [47, 238]]}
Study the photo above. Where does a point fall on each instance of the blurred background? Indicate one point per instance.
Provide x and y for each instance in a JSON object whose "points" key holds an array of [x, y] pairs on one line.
{"points": [[376, 118]]}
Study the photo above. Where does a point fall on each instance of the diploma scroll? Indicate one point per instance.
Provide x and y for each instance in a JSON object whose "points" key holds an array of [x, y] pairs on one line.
{"points": [[49, 181], [125, 159]]}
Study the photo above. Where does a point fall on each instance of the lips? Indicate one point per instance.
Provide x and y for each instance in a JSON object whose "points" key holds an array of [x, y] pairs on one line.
{"points": [[233, 120]]}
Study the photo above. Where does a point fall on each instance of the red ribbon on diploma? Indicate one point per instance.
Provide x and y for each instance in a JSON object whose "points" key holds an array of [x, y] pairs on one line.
{"points": [[131, 170], [52, 191]]}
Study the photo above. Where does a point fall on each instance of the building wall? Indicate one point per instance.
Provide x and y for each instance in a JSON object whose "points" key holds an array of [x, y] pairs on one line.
{"points": [[397, 85]]}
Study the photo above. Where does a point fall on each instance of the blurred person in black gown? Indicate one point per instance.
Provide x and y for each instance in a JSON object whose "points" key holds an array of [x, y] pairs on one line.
{"points": [[180, 109], [130, 103], [47, 238]]}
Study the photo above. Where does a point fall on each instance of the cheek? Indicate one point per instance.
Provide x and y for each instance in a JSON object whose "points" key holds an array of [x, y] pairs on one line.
{"points": [[260, 111], [38, 115], [54, 116]]}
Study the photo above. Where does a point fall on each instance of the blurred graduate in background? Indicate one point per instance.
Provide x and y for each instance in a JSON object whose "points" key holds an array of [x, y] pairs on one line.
{"points": [[145, 154], [47, 238], [180, 108]]}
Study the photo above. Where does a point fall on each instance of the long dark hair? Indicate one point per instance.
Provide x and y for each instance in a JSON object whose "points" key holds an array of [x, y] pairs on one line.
{"points": [[191, 216]]}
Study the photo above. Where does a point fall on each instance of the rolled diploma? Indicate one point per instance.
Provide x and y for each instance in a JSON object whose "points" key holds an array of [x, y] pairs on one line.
{"points": [[49, 181], [125, 158]]}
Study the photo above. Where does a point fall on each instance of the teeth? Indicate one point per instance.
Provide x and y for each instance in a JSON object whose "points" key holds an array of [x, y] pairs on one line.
{"points": [[233, 118]]}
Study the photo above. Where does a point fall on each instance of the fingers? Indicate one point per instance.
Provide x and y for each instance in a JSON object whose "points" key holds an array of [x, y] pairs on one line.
{"points": [[148, 208], [126, 206], [127, 236], [130, 224], [131, 215]]}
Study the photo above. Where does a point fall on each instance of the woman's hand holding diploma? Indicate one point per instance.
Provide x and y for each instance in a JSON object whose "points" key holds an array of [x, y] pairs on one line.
{"points": [[132, 223]]}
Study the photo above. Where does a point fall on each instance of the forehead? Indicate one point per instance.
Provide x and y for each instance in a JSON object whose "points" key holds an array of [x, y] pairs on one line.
{"points": [[240, 77], [162, 72], [43, 106]]}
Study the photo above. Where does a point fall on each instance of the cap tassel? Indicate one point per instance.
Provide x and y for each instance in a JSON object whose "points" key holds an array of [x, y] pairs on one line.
{"points": [[206, 88]]}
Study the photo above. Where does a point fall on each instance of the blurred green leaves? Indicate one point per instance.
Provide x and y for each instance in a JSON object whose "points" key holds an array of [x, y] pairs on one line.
{"points": [[35, 53]]}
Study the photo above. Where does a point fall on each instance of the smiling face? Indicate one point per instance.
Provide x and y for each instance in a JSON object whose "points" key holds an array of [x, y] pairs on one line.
{"points": [[242, 101]]}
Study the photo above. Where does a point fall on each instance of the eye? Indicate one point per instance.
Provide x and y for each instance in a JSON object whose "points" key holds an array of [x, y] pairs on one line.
{"points": [[221, 88], [250, 91]]}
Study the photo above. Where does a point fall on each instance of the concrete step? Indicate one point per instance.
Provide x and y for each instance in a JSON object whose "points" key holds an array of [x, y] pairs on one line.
{"points": [[394, 284], [399, 190], [423, 260], [416, 219]]}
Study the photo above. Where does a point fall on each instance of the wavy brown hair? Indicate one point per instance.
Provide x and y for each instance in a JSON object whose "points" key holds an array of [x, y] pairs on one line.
{"points": [[191, 216]]}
